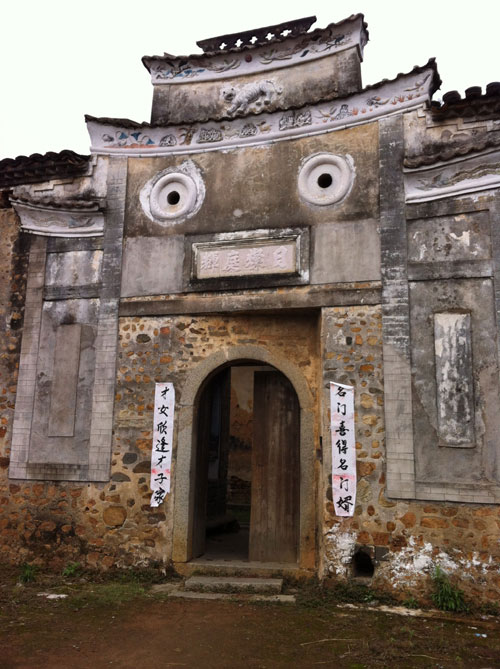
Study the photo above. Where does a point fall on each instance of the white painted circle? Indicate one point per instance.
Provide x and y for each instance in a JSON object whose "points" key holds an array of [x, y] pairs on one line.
{"points": [[172, 196], [325, 179]]}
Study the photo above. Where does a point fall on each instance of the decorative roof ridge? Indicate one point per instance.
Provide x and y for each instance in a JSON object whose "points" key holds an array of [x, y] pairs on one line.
{"points": [[445, 155], [417, 69], [314, 34]]}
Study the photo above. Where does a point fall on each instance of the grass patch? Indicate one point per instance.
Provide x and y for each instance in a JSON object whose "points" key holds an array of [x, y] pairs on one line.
{"points": [[411, 603], [104, 594], [446, 596], [28, 573], [72, 569]]}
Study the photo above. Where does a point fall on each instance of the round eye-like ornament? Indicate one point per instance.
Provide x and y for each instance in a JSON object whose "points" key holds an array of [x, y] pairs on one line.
{"points": [[325, 179], [173, 195]]}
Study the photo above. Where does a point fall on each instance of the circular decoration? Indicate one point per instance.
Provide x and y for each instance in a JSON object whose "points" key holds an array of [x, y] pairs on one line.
{"points": [[325, 179], [173, 195]]}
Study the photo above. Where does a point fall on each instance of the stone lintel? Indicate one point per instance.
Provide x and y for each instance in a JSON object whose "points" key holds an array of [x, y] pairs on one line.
{"points": [[313, 297]]}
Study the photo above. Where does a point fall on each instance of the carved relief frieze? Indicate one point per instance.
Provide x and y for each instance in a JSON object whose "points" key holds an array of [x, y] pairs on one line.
{"points": [[404, 93], [255, 96]]}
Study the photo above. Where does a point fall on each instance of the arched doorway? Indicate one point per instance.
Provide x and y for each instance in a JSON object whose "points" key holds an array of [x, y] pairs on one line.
{"points": [[184, 471], [247, 490]]}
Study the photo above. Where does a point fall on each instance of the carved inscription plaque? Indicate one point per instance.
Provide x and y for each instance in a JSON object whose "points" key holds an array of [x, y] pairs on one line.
{"points": [[221, 260]]}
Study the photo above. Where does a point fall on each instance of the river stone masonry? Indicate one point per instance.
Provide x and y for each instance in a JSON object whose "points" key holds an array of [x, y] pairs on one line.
{"points": [[275, 228]]}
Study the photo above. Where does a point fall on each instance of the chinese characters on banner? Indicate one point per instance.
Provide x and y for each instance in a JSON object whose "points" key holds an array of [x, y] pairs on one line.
{"points": [[343, 449], [163, 430]]}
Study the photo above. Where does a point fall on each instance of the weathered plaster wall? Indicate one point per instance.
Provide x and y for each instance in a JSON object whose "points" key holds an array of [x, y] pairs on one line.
{"points": [[462, 538], [260, 187]]}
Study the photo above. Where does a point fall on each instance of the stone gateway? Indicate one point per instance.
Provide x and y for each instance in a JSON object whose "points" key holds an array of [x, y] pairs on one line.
{"points": [[276, 228]]}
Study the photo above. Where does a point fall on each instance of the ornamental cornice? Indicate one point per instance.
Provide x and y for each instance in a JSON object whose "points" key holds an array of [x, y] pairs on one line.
{"points": [[61, 219], [410, 91], [259, 59], [460, 176]]}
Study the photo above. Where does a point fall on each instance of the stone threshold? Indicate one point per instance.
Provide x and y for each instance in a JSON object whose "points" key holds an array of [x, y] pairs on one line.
{"points": [[241, 568]]}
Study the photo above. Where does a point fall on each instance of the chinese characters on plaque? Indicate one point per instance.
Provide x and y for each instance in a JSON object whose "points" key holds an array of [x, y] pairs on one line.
{"points": [[343, 449], [220, 261], [161, 455]]}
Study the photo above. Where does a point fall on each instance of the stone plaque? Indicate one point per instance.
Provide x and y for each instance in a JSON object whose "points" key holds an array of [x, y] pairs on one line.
{"points": [[221, 260]]}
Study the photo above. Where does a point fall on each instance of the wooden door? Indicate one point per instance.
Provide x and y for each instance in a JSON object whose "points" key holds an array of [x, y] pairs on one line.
{"points": [[211, 456], [274, 520]]}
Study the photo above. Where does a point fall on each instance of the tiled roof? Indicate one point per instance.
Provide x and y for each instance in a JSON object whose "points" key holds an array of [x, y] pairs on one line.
{"points": [[474, 104], [38, 167]]}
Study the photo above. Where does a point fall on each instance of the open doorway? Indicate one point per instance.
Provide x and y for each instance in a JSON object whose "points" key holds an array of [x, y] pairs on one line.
{"points": [[247, 467]]}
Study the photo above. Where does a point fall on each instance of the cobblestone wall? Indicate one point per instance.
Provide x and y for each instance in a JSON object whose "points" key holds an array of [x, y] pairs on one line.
{"points": [[13, 271], [110, 524], [406, 539], [102, 525]]}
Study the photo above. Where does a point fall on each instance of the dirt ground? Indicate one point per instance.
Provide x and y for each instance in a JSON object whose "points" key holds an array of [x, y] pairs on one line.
{"points": [[123, 624]]}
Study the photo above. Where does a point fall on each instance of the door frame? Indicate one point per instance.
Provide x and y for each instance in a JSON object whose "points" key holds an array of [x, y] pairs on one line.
{"points": [[184, 474]]}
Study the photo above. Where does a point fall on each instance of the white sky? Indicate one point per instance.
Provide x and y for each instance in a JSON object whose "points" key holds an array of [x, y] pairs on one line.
{"points": [[60, 59]]}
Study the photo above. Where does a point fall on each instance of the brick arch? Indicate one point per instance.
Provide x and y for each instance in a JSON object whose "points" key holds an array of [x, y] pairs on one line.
{"points": [[187, 444]]}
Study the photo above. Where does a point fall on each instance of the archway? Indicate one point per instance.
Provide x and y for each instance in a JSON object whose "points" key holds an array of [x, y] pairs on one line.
{"points": [[247, 490], [187, 444]]}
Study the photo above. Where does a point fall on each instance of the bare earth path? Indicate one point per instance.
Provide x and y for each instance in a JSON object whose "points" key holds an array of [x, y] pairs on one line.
{"points": [[123, 625]]}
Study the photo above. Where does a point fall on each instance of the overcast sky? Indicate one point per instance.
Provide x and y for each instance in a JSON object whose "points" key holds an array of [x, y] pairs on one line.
{"points": [[61, 59]]}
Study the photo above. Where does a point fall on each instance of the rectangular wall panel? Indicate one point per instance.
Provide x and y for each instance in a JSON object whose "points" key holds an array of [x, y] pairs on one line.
{"points": [[65, 381], [454, 382]]}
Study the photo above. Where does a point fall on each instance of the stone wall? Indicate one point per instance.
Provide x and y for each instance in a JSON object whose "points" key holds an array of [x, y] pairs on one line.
{"points": [[13, 270], [112, 524], [406, 539]]}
